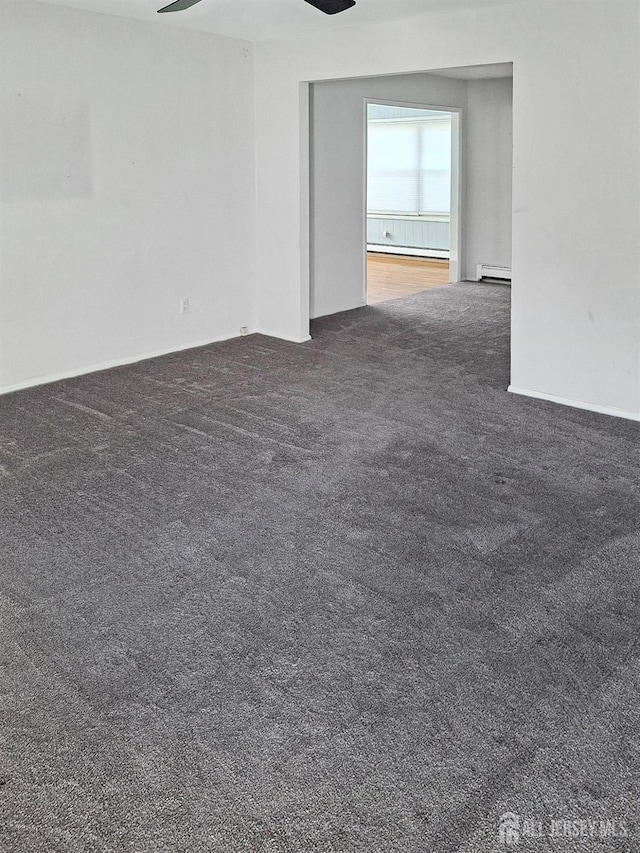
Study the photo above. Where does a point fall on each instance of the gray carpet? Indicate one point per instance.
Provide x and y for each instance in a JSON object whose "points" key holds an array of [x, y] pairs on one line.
{"points": [[342, 596]]}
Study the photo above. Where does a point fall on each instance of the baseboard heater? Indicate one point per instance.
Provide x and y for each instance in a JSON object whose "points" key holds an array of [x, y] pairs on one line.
{"points": [[489, 271]]}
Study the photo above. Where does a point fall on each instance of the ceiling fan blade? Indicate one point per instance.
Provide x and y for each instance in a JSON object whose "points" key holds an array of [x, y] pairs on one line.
{"points": [[332, 7], [178, 6]]}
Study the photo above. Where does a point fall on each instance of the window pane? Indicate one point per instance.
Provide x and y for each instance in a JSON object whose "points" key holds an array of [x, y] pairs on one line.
{"points": [[409, 162], [435, 167], [393, 167]]}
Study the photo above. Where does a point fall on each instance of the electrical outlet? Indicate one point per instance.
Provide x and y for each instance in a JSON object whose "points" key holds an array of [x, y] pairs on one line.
{"points": [[244, 330], [184, 305]]}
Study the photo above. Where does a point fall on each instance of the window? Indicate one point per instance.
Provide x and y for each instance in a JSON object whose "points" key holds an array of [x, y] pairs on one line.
{"points": [[409, 161]]}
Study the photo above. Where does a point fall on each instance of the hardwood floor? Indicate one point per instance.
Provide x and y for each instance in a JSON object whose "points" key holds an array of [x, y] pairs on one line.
{"points": [[393, 276]]}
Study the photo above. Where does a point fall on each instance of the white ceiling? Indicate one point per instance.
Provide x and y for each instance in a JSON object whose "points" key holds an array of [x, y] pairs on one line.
{"points": [[477, 72], [257, 20]]}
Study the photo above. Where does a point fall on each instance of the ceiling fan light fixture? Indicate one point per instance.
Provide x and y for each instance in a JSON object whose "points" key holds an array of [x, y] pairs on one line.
{"points": [[329, 7], [178, 6], [332, 7]]}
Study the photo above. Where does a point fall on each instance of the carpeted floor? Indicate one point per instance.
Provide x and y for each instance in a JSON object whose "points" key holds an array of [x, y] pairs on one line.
{"points": [[342, 596]]}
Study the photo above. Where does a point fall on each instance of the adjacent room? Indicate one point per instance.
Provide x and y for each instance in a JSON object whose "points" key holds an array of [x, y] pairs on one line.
{"points": [[282, 570], [408, 201], [426, 192]]}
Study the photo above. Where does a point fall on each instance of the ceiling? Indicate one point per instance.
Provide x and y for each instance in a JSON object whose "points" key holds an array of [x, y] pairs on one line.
{"points": [[477, 72], [257, 20]]}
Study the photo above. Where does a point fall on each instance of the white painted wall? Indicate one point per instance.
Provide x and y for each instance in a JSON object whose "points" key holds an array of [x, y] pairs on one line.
{"points": [[488, 174], [126, 183], [338, 175], [576, 307]]}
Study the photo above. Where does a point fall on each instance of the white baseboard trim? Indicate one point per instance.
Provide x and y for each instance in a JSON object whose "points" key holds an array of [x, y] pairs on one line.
{"points": [[107, 365], [438, 254], [290, 338], [577, 404]]}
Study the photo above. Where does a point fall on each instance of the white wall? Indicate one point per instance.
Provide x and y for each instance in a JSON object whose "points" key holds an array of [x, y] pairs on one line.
{"points": [[337, 177], [576, 307], [488, 174], [126, 183]]}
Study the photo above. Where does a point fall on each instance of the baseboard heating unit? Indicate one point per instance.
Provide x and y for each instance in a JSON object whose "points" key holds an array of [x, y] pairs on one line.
{"points": [[488, 271]]}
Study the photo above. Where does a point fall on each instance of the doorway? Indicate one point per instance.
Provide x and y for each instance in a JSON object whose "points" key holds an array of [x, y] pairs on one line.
{"points": [[411, 205], [480, 102]]}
